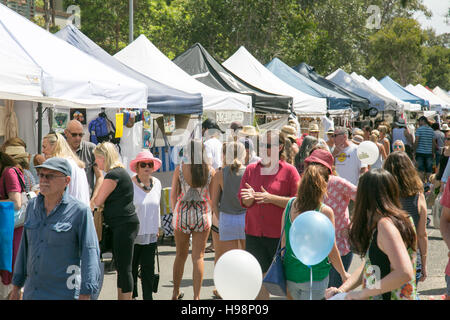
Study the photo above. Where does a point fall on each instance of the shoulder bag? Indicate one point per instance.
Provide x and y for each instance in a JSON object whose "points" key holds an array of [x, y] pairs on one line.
{"points": [[275, 279], [19, 215]]}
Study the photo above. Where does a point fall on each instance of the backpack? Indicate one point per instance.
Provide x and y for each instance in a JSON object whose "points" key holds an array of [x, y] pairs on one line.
{"points": [[102, 129]]}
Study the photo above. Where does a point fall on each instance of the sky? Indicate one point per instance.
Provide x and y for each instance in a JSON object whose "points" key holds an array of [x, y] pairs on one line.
{"points": [[439, 8]]}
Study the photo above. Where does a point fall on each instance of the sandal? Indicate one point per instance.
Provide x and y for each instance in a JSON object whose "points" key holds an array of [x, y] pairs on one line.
{"points": [[216, 294], [180, 296], [209, 250]]}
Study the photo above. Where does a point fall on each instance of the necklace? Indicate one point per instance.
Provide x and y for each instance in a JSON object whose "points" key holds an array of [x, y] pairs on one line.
{"points": [[143, 186]]}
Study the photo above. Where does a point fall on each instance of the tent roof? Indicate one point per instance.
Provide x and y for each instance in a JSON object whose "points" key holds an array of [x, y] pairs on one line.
{"points": [[50, 70], [400, 92], [391, 103], [424, 93], [144, 57], [406, 105], [340, 77], [335, 100], [247, 67], [441, 94], [161, 98], [309, 72], [197, 62]]}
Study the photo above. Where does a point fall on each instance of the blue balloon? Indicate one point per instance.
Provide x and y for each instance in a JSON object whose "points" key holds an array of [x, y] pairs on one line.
{"points": [[311, 237]]}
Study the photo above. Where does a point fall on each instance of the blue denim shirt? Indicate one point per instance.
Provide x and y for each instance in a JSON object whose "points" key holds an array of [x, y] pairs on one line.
{"points": [[59, 256]]}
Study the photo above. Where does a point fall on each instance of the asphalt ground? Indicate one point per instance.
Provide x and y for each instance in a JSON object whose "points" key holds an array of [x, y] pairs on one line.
{"points": [[431, 289]]}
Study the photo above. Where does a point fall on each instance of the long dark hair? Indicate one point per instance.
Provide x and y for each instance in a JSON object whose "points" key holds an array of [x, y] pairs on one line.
{"points": [[378, 197], [403, 170], [6, 161], [198, 162]]}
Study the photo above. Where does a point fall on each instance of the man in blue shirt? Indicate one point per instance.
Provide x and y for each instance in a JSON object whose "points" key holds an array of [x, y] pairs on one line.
{"points": [[59, 256], [425, 147]]}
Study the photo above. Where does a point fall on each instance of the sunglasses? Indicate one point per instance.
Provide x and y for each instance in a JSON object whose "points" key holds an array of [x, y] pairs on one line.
{"points": [[337, 134], [49, 177], [145, 164], [448, 138], [397, 147], [74, 135]]}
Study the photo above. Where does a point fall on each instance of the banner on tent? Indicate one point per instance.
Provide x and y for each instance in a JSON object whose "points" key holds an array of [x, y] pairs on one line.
{"points": [[229, 116]]}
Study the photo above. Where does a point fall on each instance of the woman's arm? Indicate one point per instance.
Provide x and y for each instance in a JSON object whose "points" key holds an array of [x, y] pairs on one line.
{"points": [[15, 197], [215, 189], [175, 190], [212, 172], [422, 238], [352, 283], [105, 190], [391, 243]]}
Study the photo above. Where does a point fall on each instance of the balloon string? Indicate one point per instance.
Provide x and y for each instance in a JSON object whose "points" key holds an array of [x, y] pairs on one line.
{"points": [[310, 282]]}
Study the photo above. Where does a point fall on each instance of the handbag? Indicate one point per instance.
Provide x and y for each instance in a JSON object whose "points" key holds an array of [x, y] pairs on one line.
{"points": [[19, 215], [275, 279], [156, 275]]}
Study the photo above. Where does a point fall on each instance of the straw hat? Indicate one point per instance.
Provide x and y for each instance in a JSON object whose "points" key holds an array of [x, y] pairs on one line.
{"points": [[248, 131], [313, 127], [445, 127], [145, 156], [289, 131]]}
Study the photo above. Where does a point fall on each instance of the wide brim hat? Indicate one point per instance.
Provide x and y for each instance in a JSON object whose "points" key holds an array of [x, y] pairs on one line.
{"points": [[400, 123], [445, 127], [313, 128], [145, 156], [321, 156], [248, 131], [290, 132]]}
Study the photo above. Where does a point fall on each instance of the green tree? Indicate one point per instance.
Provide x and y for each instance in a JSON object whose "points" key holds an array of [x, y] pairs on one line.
{"points": [[397, 50]]}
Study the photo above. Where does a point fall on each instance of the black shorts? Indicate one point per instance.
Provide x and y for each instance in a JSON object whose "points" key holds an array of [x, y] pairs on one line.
{"points": [[262, 248]]}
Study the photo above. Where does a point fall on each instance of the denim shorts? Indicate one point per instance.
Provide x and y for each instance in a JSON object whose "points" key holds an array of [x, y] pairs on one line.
{"points": [[301, 291], [231, 226], [424, 162]]}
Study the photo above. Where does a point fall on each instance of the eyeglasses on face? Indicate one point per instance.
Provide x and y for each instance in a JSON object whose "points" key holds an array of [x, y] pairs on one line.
{"points": [[145, 164], [74, 135], [49, 177]]}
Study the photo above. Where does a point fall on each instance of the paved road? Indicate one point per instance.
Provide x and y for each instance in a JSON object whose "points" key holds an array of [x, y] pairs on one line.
{"points": [[432, 288]]}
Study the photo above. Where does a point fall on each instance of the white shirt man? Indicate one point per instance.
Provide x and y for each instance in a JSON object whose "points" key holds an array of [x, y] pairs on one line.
{"points": [[348, 165]]}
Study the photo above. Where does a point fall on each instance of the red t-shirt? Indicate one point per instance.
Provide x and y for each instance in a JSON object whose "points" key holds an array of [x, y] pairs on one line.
{"points": [[445, 202], [264, 220], [10, 180]]}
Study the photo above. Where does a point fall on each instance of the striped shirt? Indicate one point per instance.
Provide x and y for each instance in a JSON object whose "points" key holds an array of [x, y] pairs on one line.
{"points": [[426, 135]]}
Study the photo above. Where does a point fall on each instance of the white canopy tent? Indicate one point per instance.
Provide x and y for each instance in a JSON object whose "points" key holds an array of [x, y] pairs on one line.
{"points": [[424, 93], [378, 87], [35, 65], [442, 94], [249, 69], [144, 57]]}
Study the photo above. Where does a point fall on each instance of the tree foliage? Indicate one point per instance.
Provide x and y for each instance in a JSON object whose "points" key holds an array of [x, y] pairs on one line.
{"points": [[327, 34]]}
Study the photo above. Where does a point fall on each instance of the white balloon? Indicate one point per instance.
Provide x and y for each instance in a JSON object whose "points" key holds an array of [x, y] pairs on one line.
{"points": [[238, 275], [368, 152]]}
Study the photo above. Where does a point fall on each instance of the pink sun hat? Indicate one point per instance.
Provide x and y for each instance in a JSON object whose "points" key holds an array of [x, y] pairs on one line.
{"points": [[144, 156]]}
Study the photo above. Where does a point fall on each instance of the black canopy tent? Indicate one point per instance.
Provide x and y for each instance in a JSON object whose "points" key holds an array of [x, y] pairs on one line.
{"points": [[197, 62]]}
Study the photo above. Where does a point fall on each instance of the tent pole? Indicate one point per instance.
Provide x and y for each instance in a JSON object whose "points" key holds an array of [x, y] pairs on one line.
{"points": [[131, 31], [39, 110]]}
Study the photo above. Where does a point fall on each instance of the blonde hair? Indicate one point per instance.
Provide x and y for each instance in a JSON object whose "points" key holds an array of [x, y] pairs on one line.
{"points": [[108, 151], [383, 129], [62, 149], [234, 155]]}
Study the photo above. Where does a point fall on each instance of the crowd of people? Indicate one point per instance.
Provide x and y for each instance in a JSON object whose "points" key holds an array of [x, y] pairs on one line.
{"points": [[243, 189]]}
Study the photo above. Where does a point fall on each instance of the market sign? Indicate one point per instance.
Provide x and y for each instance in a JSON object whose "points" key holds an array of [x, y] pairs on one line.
{"points": [[229, 116]]}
